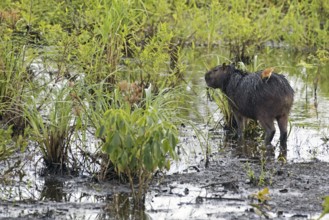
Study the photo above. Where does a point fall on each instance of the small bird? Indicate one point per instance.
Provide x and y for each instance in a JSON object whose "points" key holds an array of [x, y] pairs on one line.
{"points": [[267, 73]]}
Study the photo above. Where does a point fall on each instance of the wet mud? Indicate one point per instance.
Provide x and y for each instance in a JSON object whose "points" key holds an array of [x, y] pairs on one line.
{"points": [[225, 190]]}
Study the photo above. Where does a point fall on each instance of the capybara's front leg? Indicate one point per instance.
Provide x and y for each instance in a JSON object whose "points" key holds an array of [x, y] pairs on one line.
{"points": [[241, 122]]}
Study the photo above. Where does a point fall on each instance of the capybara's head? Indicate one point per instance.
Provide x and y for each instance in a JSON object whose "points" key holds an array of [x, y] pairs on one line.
{"points": [[218, 76]]}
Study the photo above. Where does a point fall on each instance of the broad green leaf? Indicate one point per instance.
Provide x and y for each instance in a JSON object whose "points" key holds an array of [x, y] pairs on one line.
{"points": [[167, 165], [114, 156], [172, 140], [106, 147], [115, 142], [124, 159], [262, 195], [166, 145], [100, 131], [148, 161], [128, 142]]}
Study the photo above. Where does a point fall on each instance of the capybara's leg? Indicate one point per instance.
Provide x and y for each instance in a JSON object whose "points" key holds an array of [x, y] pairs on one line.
{"points": [[241, 121], [268, 125], [283, 124]]}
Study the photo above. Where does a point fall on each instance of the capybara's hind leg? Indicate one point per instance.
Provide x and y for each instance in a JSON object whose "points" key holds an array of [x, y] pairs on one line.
{"points": [[283, 124], [268, 125]]}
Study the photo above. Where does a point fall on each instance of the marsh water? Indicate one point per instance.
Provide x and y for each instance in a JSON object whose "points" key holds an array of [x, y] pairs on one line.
{"points": [[181, 192]]}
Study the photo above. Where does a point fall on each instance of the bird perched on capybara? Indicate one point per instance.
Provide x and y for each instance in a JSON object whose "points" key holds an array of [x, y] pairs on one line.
{"points": [[264, 96]]}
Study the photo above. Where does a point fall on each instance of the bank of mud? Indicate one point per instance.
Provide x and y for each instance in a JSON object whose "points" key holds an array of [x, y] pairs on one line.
{"points": [[225, 190]]}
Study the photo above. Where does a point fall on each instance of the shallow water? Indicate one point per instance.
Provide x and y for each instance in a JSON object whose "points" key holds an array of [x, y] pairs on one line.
{"points": [[309, 117], [307, 141], [54, 197]]}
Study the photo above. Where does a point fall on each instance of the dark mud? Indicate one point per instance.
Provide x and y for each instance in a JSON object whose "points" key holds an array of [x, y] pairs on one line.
{"points": [[225, 190]]}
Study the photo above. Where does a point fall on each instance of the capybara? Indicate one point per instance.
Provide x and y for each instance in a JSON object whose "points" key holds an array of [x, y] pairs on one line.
{"points": [[264, 96]]}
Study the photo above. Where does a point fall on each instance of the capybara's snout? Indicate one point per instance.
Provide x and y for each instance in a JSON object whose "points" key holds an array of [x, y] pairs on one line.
{"points": [[207, 77]]}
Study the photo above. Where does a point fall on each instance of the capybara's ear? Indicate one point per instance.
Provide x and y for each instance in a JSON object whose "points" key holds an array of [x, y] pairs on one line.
{"points": [[224, 65]]}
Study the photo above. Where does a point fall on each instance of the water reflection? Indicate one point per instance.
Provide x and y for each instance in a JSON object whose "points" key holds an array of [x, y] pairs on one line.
{"points": [[53, 190], [119, 206]]}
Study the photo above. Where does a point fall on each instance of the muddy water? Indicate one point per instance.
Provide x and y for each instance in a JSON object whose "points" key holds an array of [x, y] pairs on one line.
{"points": [[190, 190]]}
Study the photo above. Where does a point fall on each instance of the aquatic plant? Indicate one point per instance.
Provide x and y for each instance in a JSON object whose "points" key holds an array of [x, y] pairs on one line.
{"points": [[250, 173], [239, 25], [261, 207], [139, 141], [7, 146], [325, 206], [51, 127], [12, 82], [261, 176]]}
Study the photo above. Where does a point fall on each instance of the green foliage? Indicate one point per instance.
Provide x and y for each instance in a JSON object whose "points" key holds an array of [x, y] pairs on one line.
{"points": [[12, 79], [222, 102], [52, 132], [250, 173], [304, 24], [138, 139], [139, 142], [98, 36], [147, 69], [245, 25], [262, 196], [325, 206], [261, 177], [7, 146]]}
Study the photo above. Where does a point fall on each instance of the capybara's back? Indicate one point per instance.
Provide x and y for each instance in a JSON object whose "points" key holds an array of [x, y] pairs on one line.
{"points": [[262, 96], [256, 98]]}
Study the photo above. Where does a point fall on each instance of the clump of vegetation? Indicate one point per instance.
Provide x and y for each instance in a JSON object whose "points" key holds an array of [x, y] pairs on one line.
{"points": [[261, 177], [139, 141], [52, 129], [12, 82]]}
